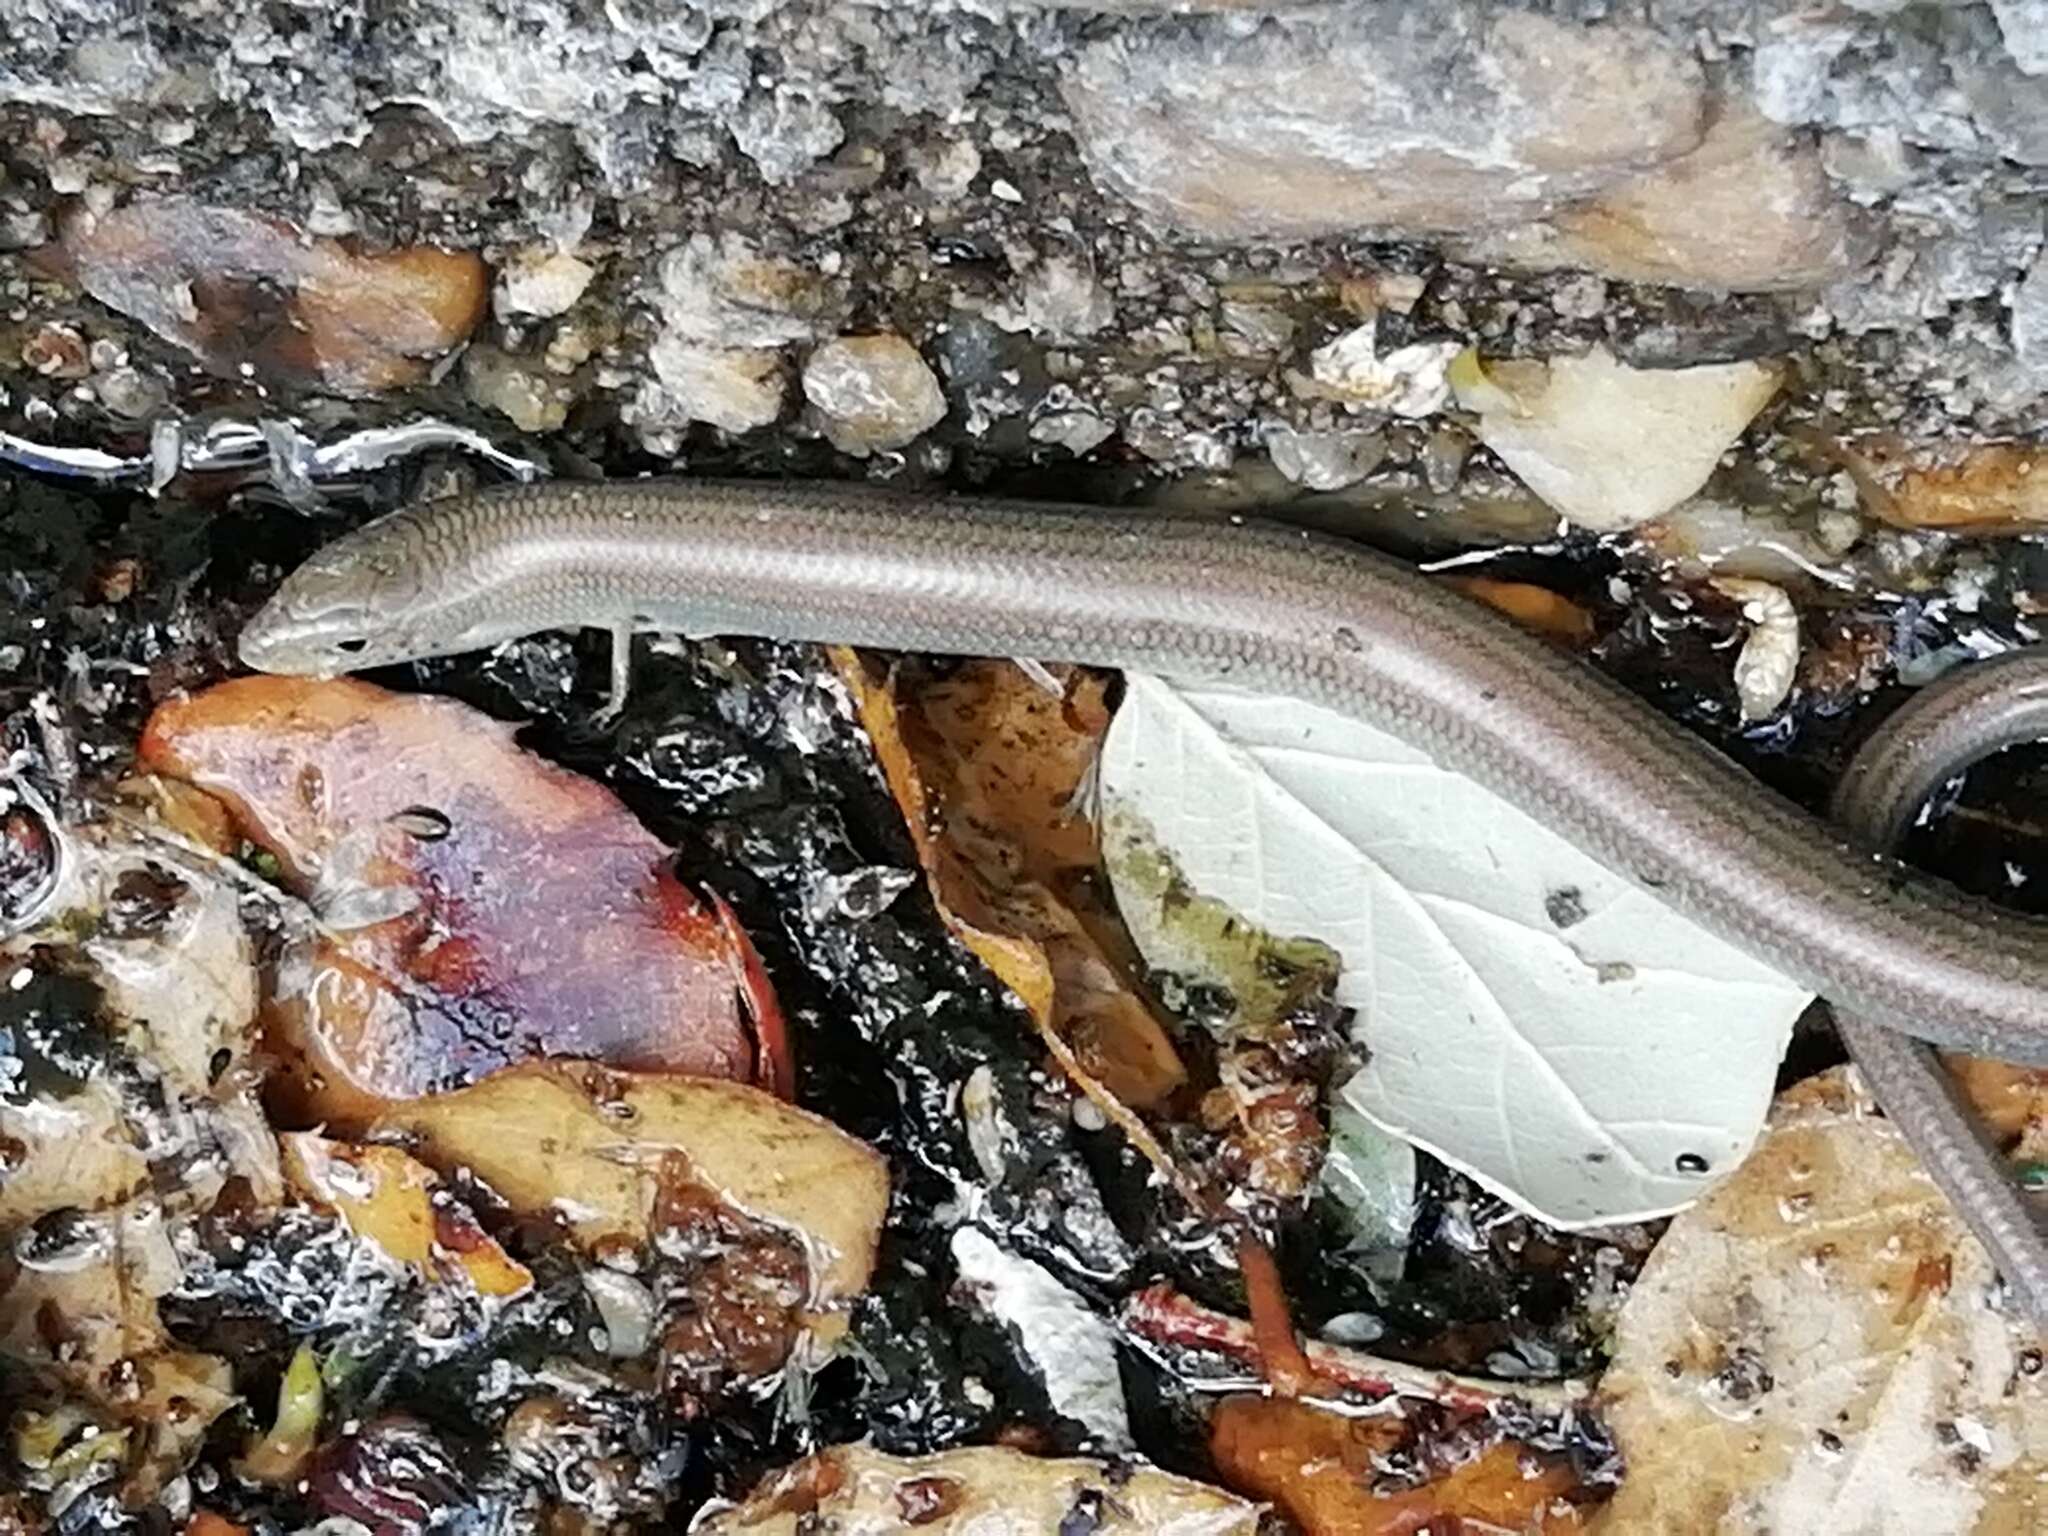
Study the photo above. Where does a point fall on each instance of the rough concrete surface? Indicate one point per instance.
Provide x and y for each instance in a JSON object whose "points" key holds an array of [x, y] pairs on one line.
{"points": [[1115, 230]]}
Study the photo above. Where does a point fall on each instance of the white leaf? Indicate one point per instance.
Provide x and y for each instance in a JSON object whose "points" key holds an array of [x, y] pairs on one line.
{"points": [[1533, 1020]]}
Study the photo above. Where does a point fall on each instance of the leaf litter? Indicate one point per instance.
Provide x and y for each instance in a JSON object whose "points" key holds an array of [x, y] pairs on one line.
{"points": [[617, 1236]]}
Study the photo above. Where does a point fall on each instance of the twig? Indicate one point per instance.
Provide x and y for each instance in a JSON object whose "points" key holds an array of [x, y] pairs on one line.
{"points": [[1163, 1315]]}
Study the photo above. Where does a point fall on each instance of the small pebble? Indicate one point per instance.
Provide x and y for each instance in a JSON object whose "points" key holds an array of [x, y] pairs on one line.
{"points": [[946, 169], [736, 389], [1580, 299], [872, 392], [1077, 431], [1064, 302], [56, 352], [507, 384], [540, 282], [1325, 461], [69, 176]]}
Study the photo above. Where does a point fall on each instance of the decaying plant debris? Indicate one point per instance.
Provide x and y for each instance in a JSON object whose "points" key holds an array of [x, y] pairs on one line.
{"points": [[579, 1288], [426, 1105]]}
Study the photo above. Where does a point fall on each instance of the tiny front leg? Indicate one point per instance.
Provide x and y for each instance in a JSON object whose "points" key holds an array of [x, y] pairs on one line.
{"points": [[622, 678]]}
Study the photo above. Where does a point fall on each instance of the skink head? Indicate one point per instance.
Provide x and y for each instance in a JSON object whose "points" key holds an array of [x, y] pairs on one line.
{"points": [[354, 604]]}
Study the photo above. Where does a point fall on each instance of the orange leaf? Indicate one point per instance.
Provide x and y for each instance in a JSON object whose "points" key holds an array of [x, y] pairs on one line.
{"points": [[481, 906], [1531, 606], [2011, 1099], [1319, 1468]]}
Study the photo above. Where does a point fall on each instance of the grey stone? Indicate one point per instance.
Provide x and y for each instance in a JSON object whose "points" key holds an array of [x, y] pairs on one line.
{"points": [[1751, 209], [132, 394], [1865, 74], [2029, 330], [1077, 431], [946, 168], [1258, 330], [526, 396], [2010, 108], [2024, 26], [541, 282], [1580, 299], [1351, 370], [1167, 440], [726, 289], [635, 81], [991, 378], [1950, 245], [616, 128], [23, 228], [1063, 301], [1790, 65], [1325, 461], [1939, 77], [1180, 7], [1390, 118], [1872, 166], [784, 131]]}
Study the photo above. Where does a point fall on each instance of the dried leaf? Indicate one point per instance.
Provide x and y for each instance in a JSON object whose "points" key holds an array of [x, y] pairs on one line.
{"points": [[1016, 755], [387, 1197], [1533, 1019], [2012, 1100], [281, 1455], [854, 1490], [88, 1327], [1811, 1348], [183, 810], [1538, 608], [78, 1150], [1020, 755], [1071, 1346], [597, 1147], [1164, 1316], [172, 977], [986, 765]]}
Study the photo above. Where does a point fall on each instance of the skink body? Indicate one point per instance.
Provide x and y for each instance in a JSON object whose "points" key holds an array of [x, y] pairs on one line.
{"points": [[1261, 606], [1279, 610]]}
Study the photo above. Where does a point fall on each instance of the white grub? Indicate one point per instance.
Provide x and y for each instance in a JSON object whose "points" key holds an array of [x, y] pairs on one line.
{"points": [[1770, 656]]}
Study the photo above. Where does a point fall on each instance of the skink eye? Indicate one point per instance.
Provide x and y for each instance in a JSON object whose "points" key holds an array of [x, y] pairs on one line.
{"points": [[354, 646]]}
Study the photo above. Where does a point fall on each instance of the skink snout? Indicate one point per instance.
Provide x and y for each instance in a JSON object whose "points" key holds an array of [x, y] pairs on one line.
{"points": [[346, 608], [277, 640]]}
